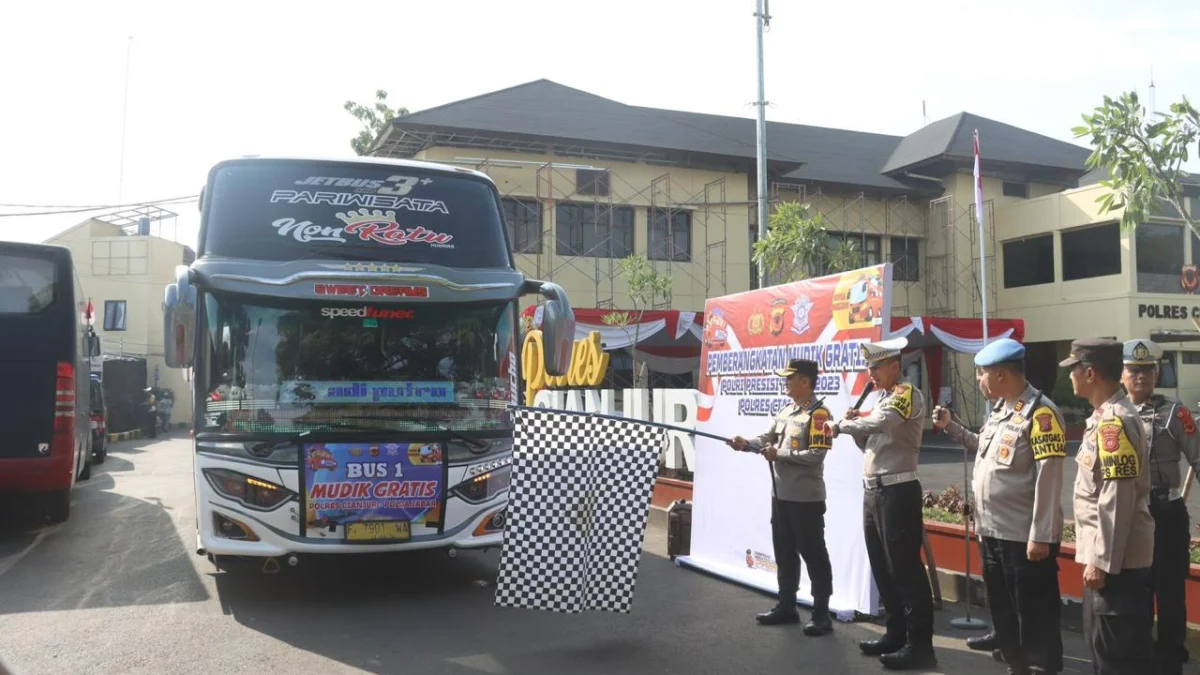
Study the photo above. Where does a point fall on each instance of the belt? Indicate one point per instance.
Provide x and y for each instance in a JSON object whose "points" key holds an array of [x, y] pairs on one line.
{"points": [[876, 482]]}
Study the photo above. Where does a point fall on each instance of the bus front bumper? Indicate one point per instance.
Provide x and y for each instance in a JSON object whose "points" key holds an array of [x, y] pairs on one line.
{"points": [[484, 530]]}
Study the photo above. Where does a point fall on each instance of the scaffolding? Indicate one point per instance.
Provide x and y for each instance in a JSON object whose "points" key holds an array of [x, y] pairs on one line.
{"points": [[942, 281], [686, 238], [872, 223]]}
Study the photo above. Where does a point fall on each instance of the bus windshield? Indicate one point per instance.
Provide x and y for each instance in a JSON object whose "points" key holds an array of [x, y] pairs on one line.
{"points": [[297, 210], [287, 365]]}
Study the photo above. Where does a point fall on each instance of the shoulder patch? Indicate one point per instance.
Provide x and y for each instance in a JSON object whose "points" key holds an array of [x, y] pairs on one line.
{"points": [[901, 400], [1046, 435], [817, 438], [1185, 417], [1118, 458]]}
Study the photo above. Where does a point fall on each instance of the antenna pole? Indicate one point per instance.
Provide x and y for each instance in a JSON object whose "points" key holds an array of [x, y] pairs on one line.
{"points": [[124, 113]]}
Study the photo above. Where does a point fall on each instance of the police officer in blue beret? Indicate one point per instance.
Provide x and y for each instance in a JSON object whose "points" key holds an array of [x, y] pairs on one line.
{"points": [[1019, 457]]}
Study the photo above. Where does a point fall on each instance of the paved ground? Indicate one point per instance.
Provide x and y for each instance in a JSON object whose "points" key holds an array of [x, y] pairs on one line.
{"points": [[942, 466], [117, 590]]}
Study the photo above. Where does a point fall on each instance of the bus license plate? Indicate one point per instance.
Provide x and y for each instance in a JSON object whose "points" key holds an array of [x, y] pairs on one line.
{"points": [[377, 530]]}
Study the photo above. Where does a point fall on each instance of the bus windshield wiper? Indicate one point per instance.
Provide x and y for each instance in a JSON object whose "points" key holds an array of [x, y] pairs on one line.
{"points": [[469, 440], [264, 448]]}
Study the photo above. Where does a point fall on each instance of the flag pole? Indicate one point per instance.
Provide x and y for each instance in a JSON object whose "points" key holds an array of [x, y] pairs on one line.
{"points": [[968, 622], [618, 418]]}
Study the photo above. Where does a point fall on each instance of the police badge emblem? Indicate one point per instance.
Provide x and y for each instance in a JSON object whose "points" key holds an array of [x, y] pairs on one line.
{"points": [[755, 325], [800, 311], [1141, 352], [778, 307]]}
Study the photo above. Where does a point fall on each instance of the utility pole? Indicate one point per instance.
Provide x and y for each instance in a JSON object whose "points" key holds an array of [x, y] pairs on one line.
{"points": [[124, 111], [762, 20]]}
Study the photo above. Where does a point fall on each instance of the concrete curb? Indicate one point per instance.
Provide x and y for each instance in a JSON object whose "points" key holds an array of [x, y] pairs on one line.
{"points": [[125, 436]]}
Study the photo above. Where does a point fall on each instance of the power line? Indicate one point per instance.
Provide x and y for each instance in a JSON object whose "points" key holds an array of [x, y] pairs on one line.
{"points": [[80, 209]]}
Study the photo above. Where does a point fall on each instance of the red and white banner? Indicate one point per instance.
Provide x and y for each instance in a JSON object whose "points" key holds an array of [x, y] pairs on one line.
{"points": [[747, 337]]}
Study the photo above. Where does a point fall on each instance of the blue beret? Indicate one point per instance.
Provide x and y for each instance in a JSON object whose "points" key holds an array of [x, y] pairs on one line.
{"points": [[999, 351]]}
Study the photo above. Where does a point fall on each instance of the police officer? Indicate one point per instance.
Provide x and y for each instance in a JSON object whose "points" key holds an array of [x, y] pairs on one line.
{"points": [[795, 445], [1114, 531], [1171, 431], [892, 522], [1019, 455]]}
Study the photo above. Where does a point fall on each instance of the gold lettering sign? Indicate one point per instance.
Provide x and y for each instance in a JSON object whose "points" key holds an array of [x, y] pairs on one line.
{"points": [[589, 363]]}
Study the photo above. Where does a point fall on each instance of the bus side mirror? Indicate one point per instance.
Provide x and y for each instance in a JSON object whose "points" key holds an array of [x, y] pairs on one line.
{"points": [[558, 329], [179, 320]]}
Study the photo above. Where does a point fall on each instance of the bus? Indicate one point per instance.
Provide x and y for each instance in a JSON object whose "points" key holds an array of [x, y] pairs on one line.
{"points": [[46, 347], [352, 326]]}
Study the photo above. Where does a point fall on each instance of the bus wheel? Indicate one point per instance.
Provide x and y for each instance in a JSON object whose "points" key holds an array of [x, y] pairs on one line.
{"points": [[59, 503]]}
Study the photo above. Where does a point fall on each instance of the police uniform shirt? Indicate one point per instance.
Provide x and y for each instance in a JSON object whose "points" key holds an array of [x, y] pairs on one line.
{"points": [[1018, 472], [1172, 432], [799, 436], [1114, 530], [891, 434]]}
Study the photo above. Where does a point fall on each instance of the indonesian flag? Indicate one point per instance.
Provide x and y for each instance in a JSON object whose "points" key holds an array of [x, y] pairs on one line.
{"points": [[978, 185]]}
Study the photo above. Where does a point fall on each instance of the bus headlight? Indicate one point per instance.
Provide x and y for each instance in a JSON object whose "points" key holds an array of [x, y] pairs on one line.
{"points": [[483, 487], [249, 491]]}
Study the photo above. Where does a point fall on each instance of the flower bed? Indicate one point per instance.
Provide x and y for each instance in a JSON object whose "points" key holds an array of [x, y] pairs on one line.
{"points": [[948, 508]]}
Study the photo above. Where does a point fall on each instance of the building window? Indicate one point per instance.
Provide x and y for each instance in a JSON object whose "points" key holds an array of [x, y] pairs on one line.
{"points": [[1029, 262], [1020, 190], [1168, 375], [675, 242], [593, 182], [594, 231], [1159, 257], [870, 246], [118, 257], [1090, 252], [905, 256], [114, 315], [1191, 358], [524, 220]]}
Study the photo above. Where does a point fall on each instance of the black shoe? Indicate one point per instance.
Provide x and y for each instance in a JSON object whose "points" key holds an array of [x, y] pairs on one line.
{"points": [[880, 647], [998, 655], [818, 624], [910, 658], [777, 616], [983, 643]]}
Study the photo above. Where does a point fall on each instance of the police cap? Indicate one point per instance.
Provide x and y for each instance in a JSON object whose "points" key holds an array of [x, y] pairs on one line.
{"points": [[1094, 350], [874, 352], [1142, 353], [1000, 351], [802, 366]]}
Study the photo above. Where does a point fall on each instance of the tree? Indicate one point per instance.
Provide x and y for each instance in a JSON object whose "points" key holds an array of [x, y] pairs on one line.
{"points": [[645, 286], [374, 118], [798, 245], [1143, 157]]}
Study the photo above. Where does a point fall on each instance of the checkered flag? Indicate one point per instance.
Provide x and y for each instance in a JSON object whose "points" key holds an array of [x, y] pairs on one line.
{"points": [[577, 511]]}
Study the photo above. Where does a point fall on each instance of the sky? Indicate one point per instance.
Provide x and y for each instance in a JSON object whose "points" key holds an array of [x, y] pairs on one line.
{"points": [[213, 80]]}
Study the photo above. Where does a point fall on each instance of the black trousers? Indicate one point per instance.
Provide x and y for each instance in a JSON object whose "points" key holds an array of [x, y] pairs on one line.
{"points": [[798, 531], [893, 525], [1117, 624], [1167, 575], [1025, 603]]}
